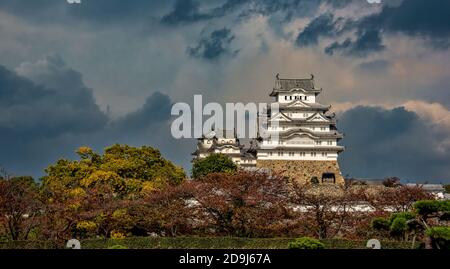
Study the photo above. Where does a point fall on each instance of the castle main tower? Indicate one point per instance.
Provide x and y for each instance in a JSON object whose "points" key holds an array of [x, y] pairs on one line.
{"points": [[306, 148]]}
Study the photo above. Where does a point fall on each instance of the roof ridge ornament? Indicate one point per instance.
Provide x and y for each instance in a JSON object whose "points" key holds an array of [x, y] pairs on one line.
{"points": [[277, 81]]}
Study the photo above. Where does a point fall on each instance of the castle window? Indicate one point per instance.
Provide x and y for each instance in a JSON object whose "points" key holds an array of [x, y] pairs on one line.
{"points": [[290, 97], [324, 154], [330, 143], [303, 154], [306, 98], [318, 143], [328, 178], [285, 97], [305, 115], [270, 153], [280, 153], [296, 97], [313, 154]]}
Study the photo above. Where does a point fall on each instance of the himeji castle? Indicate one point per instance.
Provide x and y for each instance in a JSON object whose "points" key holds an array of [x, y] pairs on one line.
{"points": [[304, 145], [225, 142]]}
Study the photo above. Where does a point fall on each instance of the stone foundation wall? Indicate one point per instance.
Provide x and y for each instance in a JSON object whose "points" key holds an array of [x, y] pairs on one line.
{"points": [[302, 171]]}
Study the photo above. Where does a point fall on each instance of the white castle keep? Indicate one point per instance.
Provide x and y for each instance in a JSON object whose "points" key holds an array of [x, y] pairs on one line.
{"points": [[304, 128], [306, 145]]}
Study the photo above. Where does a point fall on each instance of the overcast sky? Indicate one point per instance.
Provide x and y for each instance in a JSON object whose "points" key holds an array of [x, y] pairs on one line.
{"points": [[107, 71]]}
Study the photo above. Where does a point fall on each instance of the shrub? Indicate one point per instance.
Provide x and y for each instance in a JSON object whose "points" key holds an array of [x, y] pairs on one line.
{"points": [[428, 207], [306, 243], [214, 163], [117, 247], [440, 237], [447, 188], [380, 224], [398, 227], [391, 182], [402, 215], [117, 235]]}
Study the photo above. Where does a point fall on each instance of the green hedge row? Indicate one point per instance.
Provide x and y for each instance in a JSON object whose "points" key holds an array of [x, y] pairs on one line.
{"points": [[199, 243], [229, 242]]}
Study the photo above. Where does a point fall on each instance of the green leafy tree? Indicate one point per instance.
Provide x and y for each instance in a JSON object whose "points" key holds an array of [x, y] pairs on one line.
{"points": [[440, 237], [214, 163], [128, 170], [306, 243]]}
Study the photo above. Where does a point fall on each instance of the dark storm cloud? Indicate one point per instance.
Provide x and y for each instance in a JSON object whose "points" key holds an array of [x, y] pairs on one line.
{"points": [[188, 11], [47, 112], [427, 20], [367, 42], [381, 143], [214, 45], [157, 106], [37, 121], [117, 10], [184, 11], [322, 26], [103, 11], [65, 105], [338, 3]]}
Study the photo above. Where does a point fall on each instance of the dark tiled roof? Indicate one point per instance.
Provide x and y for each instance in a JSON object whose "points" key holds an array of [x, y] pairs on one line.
{"points": [[288, 84], [299, 130]]}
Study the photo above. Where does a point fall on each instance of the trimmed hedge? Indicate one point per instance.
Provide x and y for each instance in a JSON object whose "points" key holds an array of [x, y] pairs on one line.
{"points": [[440, 237], [200, 243], [427, 207], [230, 242], [306, 243]]}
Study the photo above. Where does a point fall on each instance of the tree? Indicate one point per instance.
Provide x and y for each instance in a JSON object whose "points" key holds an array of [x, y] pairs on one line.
{"points": [[447, 188], [440, 237], [324, 209], [391, 182], [417, 222], [214, 163], [241, 204], [128, 170], [19, 206], [168, 212], [399, 199]]}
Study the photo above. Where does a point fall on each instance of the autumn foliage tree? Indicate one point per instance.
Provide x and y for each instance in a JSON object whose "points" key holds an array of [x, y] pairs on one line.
{"points": [[241, 204], [399, 199], [19, 206], [127, 170], [324, 210], [91, 196], [168, 212]]}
